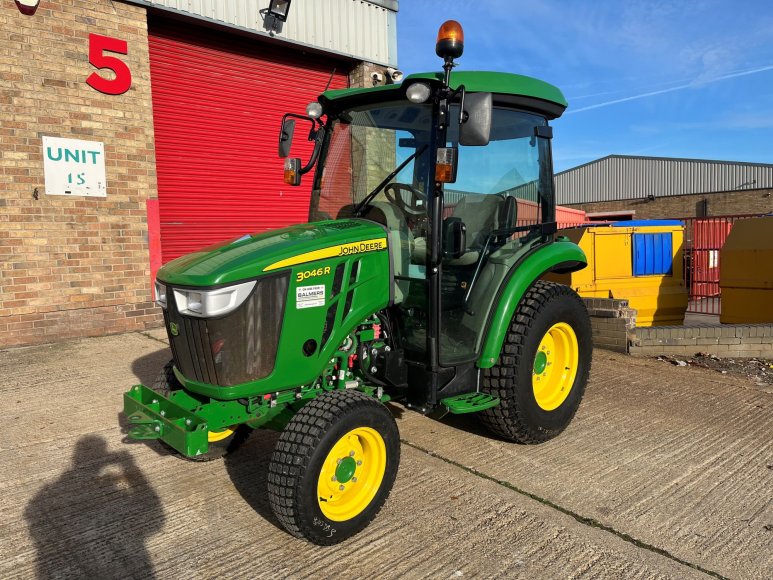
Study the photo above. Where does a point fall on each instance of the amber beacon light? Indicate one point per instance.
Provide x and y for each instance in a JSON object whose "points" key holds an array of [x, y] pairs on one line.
{"points": [[450, 40]]}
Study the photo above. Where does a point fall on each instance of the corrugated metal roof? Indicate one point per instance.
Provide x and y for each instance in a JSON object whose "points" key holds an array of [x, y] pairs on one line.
{"points": [[360, 29], [619, 177]]}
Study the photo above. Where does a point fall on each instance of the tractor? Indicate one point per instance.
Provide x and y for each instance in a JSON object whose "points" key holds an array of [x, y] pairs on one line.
{"points": [[417, 280]]}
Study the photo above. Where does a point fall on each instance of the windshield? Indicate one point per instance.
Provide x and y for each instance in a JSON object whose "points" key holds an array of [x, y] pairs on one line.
{"points": [[367, 144]]}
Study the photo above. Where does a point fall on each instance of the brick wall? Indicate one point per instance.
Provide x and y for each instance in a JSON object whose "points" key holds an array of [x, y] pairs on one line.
{"points": [[727, 340], [72, 266], [359, 76], [612, 323], [725, 203]]}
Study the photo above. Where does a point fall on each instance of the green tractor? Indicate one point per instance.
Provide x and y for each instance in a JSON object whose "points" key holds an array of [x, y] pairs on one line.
{"points": [[417, 280]]}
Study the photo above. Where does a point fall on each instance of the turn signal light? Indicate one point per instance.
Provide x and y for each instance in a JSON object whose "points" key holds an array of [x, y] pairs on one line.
{"points": [[292, 171], [445, 165], [450, 40]]}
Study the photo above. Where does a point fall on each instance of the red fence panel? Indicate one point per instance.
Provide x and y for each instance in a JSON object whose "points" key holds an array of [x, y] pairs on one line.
{"points": [[703, 241]]}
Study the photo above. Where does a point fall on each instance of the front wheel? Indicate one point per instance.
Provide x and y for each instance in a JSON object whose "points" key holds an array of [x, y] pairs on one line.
{"points": [[543, 368], [333, 466]]}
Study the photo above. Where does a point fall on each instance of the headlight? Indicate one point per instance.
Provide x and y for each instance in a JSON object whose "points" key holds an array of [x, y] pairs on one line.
{"points": [[211, 303], [160, 294]]}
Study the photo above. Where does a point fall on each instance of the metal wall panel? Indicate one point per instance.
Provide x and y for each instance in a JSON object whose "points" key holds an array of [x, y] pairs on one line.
{"points": [[218, 100], [619, 177], [358, 29]]}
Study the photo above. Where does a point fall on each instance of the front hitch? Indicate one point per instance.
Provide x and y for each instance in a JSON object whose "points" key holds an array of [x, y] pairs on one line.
{"points": [[153, 416]]}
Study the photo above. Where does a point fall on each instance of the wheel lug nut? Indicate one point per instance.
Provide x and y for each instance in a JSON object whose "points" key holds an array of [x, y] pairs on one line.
{"points": [[341, 487], [354, 480], [333, 478], [339, 461], [359, 462], [351, 454]]}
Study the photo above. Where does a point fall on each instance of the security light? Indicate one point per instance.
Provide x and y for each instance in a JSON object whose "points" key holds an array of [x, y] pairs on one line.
{"points": [[279, 9]]}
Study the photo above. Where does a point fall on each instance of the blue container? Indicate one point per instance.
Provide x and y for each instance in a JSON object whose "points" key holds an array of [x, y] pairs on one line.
{"points": [[652, 254]]}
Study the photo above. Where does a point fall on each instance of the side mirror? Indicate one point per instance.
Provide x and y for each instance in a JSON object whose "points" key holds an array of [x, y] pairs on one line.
{"points": [[292, 174], [286, 137], [454, 238], [475, 129]]}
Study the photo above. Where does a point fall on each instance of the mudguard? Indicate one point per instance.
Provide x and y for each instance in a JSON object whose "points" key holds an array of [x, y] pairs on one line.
{"points": [[560, 256]]}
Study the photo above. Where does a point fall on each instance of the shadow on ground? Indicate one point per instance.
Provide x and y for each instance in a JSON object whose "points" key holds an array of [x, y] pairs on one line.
{"points": [[471, 424], [94, 521], [248, 470], [148, 367]]}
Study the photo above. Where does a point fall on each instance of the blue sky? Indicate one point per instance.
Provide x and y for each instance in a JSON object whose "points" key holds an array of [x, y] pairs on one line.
{"points": [[663, 78]]}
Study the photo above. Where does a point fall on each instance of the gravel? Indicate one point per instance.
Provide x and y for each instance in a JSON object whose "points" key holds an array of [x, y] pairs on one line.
{"points": [[759, 371]]}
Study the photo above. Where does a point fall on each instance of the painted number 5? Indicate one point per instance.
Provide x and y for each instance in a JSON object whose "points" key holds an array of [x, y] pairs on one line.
{"points": [[98, 44]]}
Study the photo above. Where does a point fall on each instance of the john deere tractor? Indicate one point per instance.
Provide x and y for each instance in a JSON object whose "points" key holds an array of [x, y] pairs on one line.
{"points": [[416, 280]]}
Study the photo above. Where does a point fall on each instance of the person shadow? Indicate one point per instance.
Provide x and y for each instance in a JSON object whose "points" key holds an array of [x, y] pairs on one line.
{"points": [[94, 521]]}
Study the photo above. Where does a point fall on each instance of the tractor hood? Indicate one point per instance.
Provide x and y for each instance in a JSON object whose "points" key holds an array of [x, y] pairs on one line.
{"points": [[253, 255]]}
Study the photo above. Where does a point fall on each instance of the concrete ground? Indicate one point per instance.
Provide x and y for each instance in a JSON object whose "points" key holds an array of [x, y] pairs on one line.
{"points": [[666, 472]]}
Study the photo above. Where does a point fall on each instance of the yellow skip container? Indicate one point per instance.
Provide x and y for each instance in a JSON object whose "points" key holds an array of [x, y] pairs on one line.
{"points": [[746, 274], [640, 261]]}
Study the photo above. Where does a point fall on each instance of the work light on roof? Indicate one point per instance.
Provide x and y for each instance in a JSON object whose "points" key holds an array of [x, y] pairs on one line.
{"points": [[418, 92], [314, 110]]}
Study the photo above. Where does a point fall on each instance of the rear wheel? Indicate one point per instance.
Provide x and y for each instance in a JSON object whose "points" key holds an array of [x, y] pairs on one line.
{"points": [[333, 466], [220, 442], [543, 368]]}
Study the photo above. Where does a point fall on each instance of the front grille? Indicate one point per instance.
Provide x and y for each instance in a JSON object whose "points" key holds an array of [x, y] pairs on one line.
{"points": [[236, 348]]}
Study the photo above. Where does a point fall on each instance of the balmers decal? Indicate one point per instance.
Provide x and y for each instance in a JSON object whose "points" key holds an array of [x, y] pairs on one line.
{"points": [[373, 245]]}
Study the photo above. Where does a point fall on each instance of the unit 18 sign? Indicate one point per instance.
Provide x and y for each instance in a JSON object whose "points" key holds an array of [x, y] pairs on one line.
{"points": [[74, 167]]}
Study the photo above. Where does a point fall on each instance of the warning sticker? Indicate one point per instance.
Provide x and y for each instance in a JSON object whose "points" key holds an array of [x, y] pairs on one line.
{"points": [[310, 296]]}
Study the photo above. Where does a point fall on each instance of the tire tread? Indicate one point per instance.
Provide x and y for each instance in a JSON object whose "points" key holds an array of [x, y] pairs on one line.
{"points": [[294, 451], [507, 419]]}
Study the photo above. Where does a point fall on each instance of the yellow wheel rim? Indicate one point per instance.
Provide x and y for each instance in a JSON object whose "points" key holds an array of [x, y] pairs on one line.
{"points": [[214, 436], [555, 366], [351, 474]]}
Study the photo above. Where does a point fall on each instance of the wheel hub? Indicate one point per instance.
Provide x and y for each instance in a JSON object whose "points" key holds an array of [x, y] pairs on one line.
{"points": [[555, 366], [351, 474], [345, 470], [540, 362]]}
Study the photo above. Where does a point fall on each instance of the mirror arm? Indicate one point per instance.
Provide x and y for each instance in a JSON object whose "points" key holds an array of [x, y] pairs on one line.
{"points": [[461, 90], [318, 138], [312, 120]]}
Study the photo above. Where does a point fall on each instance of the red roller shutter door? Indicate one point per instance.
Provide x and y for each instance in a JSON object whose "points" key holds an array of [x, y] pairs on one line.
{"points": [[218, 100]]}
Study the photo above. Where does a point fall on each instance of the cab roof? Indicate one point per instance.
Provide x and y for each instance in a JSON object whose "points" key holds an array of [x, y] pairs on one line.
{"points": [[499, 83]]}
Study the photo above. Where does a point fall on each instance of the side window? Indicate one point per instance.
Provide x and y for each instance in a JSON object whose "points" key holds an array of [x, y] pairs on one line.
{"points": [[509, 166]]}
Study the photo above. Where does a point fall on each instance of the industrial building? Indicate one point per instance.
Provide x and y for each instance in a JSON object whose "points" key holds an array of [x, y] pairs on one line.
{"points": [[620, 187], [135, 131]]}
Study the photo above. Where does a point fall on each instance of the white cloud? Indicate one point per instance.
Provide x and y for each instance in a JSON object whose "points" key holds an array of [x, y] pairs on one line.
{"points": [[698, 82]]}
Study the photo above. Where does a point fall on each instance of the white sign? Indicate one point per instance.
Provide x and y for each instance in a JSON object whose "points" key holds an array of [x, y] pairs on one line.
{"points": [[309, 296], [74, 167]]}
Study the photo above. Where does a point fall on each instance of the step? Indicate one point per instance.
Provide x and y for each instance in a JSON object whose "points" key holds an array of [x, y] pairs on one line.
{"points": [[469, 403]]}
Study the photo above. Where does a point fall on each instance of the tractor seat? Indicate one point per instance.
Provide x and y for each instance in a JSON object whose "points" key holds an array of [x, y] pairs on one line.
{"points": [[481, 215]]}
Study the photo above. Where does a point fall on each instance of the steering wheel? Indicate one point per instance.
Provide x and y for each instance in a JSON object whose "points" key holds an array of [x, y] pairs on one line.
{"points": [[397, 193]]}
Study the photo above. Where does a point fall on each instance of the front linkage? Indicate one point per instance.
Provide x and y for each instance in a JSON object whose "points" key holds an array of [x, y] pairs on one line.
{"points": [[188, 422]]}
